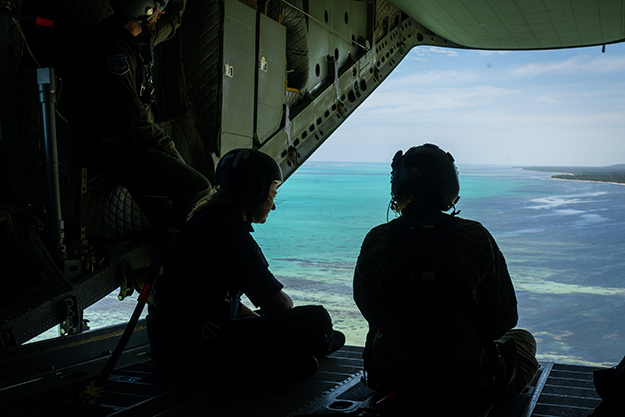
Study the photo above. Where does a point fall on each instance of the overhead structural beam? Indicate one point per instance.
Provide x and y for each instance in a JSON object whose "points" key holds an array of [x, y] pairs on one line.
{"points": [[313, 121]]}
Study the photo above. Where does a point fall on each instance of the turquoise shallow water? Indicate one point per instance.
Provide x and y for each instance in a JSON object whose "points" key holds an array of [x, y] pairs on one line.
{"points": [[564, 243]]}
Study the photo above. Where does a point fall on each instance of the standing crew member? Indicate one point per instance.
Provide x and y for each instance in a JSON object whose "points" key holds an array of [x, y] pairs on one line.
{"points": [[196, 318], [437, 295], [114, 121]]}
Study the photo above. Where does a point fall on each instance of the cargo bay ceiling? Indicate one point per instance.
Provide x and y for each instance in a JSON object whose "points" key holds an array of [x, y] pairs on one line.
{"points": [[524, 24], [276, 75]]}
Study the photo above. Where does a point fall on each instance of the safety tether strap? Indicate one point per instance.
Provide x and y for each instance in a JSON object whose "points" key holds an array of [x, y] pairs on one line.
{"points": [[91, 393]]}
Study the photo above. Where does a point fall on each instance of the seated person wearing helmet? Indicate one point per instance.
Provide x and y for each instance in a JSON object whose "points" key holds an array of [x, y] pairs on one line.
{"points": [[437, 295], [112, 109], [196, 318]]}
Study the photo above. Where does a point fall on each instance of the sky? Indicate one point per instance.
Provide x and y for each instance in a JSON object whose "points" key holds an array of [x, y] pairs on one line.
{"points": [[549, 108]]}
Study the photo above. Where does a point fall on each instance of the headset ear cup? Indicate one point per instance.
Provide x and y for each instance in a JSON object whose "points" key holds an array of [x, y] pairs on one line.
{"points": [[249, 171], [259, 187], [396, 159], [395, 164]]}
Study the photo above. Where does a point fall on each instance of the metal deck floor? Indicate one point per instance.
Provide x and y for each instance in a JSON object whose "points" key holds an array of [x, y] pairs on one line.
{"points": [[134, 390]]}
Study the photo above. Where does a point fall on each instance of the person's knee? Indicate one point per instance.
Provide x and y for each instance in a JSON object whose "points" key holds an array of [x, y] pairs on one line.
{"points": [[522, 338], [524, 362], [314, 315]]}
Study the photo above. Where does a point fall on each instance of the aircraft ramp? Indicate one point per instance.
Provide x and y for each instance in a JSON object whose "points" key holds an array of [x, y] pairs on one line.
{"points": [[46, 378]]}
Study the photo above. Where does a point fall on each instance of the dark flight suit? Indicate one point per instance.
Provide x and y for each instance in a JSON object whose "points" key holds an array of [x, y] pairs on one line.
{"points": [[192, 320], [113, 119], [436, 293]]}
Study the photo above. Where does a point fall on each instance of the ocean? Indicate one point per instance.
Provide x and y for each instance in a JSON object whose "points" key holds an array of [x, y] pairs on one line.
{"points": [[564, 243]]}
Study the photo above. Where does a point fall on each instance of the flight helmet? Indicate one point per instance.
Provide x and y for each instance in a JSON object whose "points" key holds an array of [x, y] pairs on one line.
{"points": [[428, 173], [139, 11], [249, 172]]}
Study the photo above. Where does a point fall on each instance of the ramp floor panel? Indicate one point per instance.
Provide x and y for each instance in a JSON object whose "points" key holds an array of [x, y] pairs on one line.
{"points": [[134, 390]]}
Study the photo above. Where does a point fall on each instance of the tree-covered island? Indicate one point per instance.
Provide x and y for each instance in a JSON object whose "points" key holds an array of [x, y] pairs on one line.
{"points": [[612, 173]]}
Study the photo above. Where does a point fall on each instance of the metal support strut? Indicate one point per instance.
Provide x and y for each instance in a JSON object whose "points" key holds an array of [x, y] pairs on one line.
{"points": [[47, 97]]}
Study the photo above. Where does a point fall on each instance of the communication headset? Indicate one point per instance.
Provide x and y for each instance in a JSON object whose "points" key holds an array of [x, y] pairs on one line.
{"points": [[428, 173], [250, 172]]}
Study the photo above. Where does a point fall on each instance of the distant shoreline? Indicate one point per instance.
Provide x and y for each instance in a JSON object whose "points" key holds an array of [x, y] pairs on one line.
{"points": [[597, 181], [614, 174]]}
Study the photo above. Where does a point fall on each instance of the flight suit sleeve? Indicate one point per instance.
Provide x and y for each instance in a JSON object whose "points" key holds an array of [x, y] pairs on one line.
{"points": [[486, 273], [115, 67], [371, 267], [498, 308], [251, 270], [172, 19]]}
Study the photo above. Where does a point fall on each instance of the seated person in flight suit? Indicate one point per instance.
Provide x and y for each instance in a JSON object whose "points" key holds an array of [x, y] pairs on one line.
{"points": [[437, 295], [113, 115], [196, 319]]}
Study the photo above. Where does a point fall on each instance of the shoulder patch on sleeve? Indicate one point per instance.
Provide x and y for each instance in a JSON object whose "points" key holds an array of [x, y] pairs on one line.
{"points": [[117, 64]]}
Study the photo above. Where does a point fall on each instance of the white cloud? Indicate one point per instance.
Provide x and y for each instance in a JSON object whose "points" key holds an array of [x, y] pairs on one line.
{"points": [[561, 112], [406, 104], [574, 65], [490, 53], [422, 54], [547, 99], [420, 77]]}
